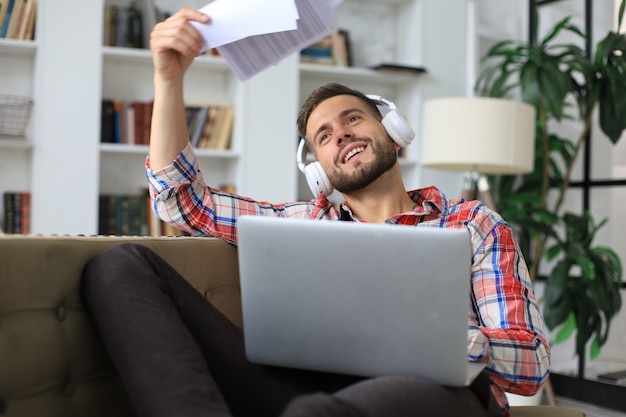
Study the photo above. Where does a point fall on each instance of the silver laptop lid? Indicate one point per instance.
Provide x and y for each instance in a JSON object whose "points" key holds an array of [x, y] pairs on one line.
{"points": [[364, 299]]}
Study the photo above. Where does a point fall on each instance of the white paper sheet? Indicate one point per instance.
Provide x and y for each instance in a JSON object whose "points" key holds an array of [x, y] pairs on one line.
{"points": [[237, 19], [267, 32]]}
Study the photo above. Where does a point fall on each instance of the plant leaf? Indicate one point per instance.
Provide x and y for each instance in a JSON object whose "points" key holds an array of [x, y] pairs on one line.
{"points": [[594, 349], [567, 330]]}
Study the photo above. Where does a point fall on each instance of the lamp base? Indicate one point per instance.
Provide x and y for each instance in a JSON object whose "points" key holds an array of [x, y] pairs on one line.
{"points": [[475, 183]]}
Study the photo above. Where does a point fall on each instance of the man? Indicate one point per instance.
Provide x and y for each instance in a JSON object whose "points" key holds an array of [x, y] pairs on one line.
{"points": [[177, 355]]}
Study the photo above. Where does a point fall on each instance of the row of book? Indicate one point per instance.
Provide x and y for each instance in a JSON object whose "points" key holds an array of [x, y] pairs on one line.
{"points": [[17, 19], [118, 214], [17, 212], [210, 126], [127, 26], [334, 49], [131, 215], [126, 122]]}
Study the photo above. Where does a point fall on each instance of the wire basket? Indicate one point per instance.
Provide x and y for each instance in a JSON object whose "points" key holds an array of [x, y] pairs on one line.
{"points": [[14, 114]]}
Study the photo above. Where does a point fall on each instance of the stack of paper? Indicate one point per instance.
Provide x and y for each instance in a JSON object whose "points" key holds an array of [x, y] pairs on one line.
{"points": [[252, 35]]}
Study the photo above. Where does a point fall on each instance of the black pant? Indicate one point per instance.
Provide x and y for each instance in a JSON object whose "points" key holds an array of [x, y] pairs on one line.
{"points": [[171, 347]]}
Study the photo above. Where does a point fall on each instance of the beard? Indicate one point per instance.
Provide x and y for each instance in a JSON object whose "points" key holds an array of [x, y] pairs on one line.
{"points": [[365, 174]]}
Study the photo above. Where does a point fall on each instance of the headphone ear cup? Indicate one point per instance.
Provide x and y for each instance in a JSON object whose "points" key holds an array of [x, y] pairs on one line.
{"points": [[399, 130], [317, 180]]}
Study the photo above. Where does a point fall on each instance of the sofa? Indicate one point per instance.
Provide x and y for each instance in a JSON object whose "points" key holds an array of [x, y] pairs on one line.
{"points": [[52, 362]]}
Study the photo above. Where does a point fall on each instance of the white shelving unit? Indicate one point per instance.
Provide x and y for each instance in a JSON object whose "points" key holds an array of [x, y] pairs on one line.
{"points": [[68, 72], [16, 152]]}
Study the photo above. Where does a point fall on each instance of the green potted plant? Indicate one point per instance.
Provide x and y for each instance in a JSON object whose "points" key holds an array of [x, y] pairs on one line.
{"points": [[582, 292]]}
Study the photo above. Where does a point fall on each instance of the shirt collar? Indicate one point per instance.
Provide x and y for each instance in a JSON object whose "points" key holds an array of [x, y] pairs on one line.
{"points": [[428, 200]]}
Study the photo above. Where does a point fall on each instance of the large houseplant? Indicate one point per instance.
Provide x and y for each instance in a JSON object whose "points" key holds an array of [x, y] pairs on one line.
{"points": [[582, 292]]}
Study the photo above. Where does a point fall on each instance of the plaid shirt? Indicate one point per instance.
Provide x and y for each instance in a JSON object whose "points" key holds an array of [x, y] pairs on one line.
{"points": [[505, 329]]}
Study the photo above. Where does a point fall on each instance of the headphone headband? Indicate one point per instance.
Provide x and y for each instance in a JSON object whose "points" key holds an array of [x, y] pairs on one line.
{"points": [[382, 103]]}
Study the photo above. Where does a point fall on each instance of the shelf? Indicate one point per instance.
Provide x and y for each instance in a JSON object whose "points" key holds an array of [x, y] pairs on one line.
{"points": [[18, 47], [14, 142], [347, 75], [144, 56], [596, 392], [114, 148]]}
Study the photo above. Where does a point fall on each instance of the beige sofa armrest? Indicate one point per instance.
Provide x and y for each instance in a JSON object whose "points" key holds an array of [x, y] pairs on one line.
{"points": [[52, 362]]}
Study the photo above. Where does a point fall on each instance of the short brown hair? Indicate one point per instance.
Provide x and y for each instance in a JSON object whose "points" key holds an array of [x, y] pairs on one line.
{"points": [[325, 92]]}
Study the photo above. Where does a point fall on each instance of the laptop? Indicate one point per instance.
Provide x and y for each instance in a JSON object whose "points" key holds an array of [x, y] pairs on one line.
{"points": [[359, 299]]}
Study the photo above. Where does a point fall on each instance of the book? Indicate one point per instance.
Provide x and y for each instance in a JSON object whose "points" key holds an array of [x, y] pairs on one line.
{"points": [[117, 121], [190, 114], [14, 21], [170, 230], [391, 67], [196, 127], [27, 26], [122, 109], [208, 126], [133, 31], [320, 52], [148, 11], [120, 25], [130, 124], [223, 135], [9, 211], [25, 14], [617, 377], [138, 122], [147, 122], [215, 127], [110, 24], [4, 6], [25, 212], [16, 212], [342, 55], [123, 214], [7, 7], [107, 121]]}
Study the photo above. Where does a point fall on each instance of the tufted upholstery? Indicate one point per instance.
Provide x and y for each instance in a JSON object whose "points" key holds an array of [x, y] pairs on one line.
{"points": [[51, 360], [52, 363]]}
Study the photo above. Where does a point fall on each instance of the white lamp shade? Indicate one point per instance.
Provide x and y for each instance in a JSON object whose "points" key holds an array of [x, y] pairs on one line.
{"points": [[486, 135]]}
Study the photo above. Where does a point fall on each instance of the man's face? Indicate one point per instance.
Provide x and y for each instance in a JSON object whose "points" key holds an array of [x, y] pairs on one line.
{"points": [[350, 143]]}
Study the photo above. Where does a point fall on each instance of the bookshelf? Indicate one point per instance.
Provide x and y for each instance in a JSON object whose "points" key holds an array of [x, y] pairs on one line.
{"points": [[18, 56], [65, 167]]}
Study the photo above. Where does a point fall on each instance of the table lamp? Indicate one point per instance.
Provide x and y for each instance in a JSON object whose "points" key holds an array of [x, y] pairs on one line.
{"points": [[479, 135]]}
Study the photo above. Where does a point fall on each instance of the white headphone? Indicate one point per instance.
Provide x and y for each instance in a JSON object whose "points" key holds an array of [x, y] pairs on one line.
{"points": [[395, 125]]}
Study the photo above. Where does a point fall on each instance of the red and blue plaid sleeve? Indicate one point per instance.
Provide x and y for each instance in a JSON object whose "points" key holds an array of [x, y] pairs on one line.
{"points": [[505, 326], [179, 196]]}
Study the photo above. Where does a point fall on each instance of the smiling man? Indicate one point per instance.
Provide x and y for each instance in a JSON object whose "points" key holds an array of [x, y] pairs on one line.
{"points": [[355, 151], [190, 360]]}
